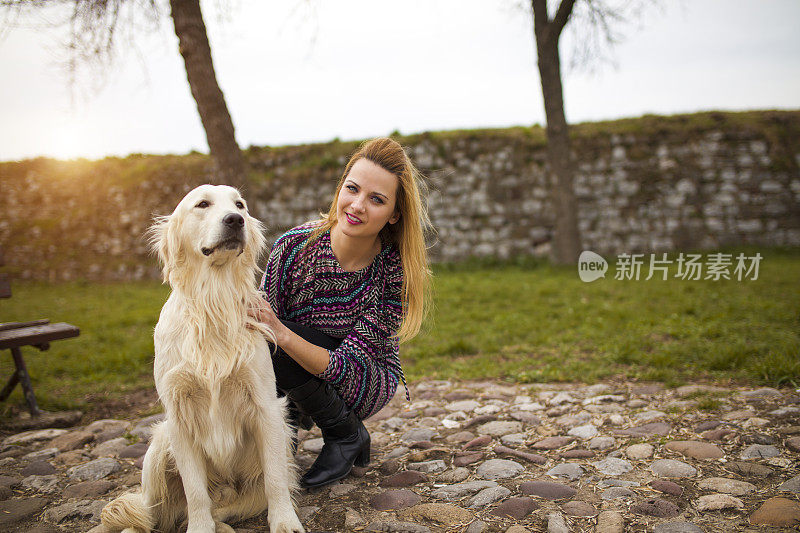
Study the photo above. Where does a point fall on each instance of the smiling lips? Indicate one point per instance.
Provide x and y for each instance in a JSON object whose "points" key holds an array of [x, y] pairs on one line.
{"points": [[352, 219]]}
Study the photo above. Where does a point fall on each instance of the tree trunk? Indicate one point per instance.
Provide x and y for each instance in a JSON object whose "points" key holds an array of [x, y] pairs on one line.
{"points": [[196, 52], [567, 241]]}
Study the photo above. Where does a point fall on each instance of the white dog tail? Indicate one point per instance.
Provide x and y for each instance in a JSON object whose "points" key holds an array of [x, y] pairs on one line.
{"points": [[128, 511]]}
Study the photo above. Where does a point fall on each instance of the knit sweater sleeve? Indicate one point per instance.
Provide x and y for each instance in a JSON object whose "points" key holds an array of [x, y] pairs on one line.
{"points": [[372, 347], [276, 279]]}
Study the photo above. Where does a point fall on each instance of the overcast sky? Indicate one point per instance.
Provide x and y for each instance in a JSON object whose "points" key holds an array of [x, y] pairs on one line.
{"points": [[360, 68]]}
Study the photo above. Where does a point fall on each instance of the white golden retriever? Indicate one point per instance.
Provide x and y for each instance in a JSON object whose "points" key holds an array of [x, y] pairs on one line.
{"points": [[223, 451]]}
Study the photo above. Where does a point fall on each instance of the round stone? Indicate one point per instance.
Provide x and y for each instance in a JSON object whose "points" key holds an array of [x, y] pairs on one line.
{"points": [[617, 492], [555, 524], [134, 450], [570, 471], [416, 435], [487, 496], [612, 466], [93, 470], [612, 482], [548, 490], [764, 393], [695, 449], [715, 502], [578, 508], [726, 485], [460, 437], [707, 425], [514, 439], [777, 512], [314, 445], [759, 451], [638, 452], [677, 527], [653, 429], [38, 468], [441, 513], [551, 443], [478, 442], [404, 479], [340, 489], [577, 453], [672, 469], [41, 455], [500, 428], [19, 509], [429, 467], [719, 434], [667, 487], [517, 508], [476, 526], [87, 489], [394, 499], [460, 490], [530, 457], [750, 469], [610, 522], [656, 507], [793, 444], [648, 416], [464, 405], [793, 485], [109, 448], [108, 425], [602, 443], [41, 484], [586, 431], [465, 459], [499, 469], [29, 437]]}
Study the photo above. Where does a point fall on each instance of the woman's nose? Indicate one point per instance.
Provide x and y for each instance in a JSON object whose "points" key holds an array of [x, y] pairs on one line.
{"points": [[358, 203]]}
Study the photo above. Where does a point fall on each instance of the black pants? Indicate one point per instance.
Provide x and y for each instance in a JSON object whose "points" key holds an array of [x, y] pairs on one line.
{"points": [[288, 372]]}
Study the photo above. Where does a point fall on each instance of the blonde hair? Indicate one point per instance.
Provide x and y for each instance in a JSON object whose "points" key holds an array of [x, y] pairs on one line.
{"points": [[408, 233]]}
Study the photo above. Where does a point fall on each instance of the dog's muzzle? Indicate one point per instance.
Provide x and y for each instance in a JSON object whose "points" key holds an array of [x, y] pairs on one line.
{"points": [[232, 237]]}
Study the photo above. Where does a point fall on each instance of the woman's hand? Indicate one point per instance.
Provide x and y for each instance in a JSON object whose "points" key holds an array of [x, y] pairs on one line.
{"points": [[262, 311]]}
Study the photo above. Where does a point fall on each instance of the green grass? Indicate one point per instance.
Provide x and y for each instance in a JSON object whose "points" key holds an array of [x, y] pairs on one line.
{"points": [[520, 320], [533, 322], [113, 354]]}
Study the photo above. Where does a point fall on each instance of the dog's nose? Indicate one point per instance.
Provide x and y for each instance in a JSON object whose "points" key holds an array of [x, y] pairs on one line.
{"points": [[233, 220]]}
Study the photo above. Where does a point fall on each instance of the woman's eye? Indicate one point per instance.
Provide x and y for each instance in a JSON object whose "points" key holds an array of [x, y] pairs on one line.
{"points": [[203, 204], [377, 199], [240, 205], [351, 188]]}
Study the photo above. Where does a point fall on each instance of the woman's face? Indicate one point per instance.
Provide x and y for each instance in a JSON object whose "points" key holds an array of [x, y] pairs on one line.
{"points": [[367, 200]]}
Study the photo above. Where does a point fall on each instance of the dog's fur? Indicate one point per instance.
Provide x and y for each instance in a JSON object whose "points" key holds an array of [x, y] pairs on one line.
{"points": [[223, 451]]}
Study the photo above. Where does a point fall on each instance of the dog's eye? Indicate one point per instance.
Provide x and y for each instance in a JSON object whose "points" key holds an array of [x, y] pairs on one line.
{"points": [[203, 204], [240, 205]]}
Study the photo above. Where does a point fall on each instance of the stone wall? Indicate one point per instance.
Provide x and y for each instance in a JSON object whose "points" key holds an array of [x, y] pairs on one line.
{"points": [[652, 184]]}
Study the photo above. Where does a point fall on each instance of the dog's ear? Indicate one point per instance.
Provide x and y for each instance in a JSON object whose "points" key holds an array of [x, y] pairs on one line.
{"points": [[164, 240]]}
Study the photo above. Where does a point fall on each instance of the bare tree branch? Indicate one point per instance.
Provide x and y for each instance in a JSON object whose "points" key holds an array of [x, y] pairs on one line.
{"points": [[562, 16]]}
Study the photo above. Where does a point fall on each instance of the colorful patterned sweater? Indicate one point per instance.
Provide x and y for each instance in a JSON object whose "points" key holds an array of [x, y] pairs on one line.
{"points": [[308, 286]]}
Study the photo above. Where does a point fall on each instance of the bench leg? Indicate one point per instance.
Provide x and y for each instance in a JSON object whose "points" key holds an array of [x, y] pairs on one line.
{"points": [[25, 380], [12, 382]]}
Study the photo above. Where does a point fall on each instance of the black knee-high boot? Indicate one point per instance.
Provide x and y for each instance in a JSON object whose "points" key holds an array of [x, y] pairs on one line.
{"points": [[346, 439], [296, 420]]}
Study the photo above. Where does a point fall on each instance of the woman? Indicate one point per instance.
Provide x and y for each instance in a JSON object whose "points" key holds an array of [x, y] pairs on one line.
{"points": [[341, 293]]}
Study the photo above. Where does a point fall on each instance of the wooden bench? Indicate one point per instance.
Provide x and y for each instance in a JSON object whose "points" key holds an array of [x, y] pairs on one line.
{"points": [[38, 333]]}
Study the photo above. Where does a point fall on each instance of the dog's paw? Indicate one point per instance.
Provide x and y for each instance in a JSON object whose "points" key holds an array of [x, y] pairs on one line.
{"points": [[287, 524], [222, 527], [201, 526]]}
